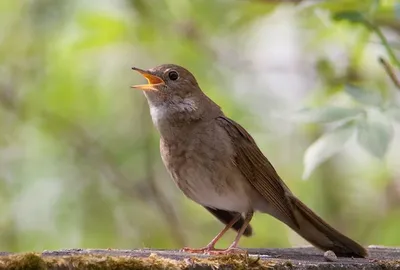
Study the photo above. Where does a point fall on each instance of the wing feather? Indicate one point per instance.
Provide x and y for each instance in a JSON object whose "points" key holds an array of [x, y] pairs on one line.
{"points": [[257, 169]]}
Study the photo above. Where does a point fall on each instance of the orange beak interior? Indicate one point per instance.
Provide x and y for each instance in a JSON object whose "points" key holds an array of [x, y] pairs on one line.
{"points": [[153, 81]]}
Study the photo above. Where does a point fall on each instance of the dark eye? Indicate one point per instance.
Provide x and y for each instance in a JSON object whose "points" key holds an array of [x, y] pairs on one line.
{"points": [[173, 75]]}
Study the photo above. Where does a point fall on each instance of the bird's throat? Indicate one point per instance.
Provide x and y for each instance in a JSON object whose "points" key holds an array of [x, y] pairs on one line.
{"points": [[171, 117]]}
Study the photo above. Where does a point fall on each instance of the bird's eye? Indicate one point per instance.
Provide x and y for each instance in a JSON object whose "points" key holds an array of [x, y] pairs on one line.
{"points": [[173, 75]]}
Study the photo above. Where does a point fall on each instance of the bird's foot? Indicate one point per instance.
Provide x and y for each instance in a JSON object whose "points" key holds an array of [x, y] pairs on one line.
{"points": [[231, 250], [205, 250]]}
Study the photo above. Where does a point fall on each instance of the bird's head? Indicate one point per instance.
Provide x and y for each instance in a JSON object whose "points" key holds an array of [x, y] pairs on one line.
{"points": [[174, 95], [168, 83]]}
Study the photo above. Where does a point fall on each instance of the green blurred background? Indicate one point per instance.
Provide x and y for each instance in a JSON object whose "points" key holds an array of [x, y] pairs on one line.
{"points": [[79, 160]]}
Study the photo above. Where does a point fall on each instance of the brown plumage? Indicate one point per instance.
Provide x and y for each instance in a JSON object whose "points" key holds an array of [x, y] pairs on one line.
{"points": [[216, 163]]}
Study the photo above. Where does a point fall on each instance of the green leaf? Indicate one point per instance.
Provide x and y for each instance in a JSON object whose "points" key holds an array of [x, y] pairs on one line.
{"points": [[374, 133], [327, 114], [338, 6], [363, 96], [351, 16], [325, 147], [357, 17]]}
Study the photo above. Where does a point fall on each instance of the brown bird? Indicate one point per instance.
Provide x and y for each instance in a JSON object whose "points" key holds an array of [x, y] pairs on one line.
{"points": [[217, 164]]}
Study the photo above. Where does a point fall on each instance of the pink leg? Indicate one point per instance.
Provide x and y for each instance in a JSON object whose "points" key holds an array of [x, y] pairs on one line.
{"points": [[233, 247], [211, 245]]}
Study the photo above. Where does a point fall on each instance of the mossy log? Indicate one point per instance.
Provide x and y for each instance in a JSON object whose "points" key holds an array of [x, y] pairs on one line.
{"points": [[291, 258]]}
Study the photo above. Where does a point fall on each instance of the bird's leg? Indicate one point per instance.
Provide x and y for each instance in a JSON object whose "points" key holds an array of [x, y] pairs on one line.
{"points": [[211, 245], [233, 247]]}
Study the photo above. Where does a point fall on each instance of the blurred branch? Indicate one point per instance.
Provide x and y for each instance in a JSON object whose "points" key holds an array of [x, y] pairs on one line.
{"points": [[394, 25], [385, 43], [358, 17], [120, 180], [389, 70], [105, 158], [85, 142]]}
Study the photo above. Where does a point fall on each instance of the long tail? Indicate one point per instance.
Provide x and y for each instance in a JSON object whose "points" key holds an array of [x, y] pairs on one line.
{"points": [[321, 234]]}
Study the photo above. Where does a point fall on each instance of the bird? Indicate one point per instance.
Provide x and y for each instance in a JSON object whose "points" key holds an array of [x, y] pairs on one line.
{"points": [[216, 163]]}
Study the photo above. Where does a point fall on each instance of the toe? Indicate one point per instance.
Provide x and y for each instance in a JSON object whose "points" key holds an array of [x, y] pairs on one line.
{"points": [[232, 250], [205, 250]]}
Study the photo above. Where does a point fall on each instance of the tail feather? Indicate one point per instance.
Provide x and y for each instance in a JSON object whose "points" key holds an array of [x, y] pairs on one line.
{"points": [[321, 234]]}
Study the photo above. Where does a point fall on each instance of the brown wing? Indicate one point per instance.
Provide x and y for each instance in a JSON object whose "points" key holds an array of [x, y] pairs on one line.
{"points": [[257, 169], [226, 216]]}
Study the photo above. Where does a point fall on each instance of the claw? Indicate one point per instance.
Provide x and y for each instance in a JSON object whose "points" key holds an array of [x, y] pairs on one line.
{"points": [[231, 250]]}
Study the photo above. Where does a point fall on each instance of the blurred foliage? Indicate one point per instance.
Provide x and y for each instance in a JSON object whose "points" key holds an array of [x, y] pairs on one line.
{"points": [[79, 161]]}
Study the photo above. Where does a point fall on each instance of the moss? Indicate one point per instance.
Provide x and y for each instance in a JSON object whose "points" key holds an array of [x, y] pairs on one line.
{"points": [[395, 264], [27, 261], [32, 261]]}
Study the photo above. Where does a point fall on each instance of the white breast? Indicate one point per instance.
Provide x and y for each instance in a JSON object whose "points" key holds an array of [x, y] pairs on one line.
{"points": [[228, 196], [216, 185], [180, 109], [158, 113]]}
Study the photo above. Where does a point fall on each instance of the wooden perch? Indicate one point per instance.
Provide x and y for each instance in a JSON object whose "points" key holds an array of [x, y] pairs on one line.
{"points": [[291, 258]]}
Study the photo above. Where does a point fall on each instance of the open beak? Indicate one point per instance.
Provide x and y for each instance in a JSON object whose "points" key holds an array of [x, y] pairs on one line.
{"points": [[153, 81]]}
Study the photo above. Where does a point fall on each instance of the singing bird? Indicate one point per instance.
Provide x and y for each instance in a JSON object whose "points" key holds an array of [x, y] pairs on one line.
{"points": [[216, 163]]}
